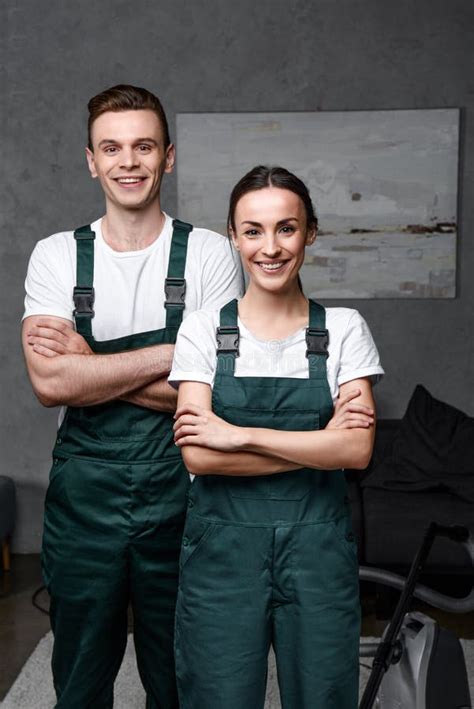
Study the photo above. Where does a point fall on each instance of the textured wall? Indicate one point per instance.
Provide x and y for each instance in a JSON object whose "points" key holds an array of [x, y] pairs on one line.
{"points": [[219, 56]]}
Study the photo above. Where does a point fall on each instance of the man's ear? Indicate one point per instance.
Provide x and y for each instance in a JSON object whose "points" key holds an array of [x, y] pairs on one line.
{"points": [[170, 158], [91, 162]]}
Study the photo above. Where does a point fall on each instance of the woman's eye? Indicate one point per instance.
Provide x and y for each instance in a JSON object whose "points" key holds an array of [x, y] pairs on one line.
{"points": [[251, 232], [287, 229]]}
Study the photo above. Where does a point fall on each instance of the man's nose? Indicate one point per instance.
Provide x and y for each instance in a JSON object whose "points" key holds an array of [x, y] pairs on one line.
{"points": [[128, 158]]}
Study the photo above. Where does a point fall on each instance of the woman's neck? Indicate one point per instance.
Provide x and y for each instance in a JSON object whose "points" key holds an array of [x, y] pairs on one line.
{"points": [[273, 316]]}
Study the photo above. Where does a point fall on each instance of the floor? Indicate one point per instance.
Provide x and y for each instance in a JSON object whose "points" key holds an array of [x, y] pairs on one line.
{"points": [[22, 624]]}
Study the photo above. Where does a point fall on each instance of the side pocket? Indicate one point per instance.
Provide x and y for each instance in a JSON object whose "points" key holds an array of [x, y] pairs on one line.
{"points": [[196, 533], [342, 527], [57, 467], [56, 475]]}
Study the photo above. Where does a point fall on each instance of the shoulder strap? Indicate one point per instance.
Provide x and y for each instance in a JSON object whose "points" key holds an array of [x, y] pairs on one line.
{"points": [[175, 284], [83, 294], [228, 338], [317, 339]]}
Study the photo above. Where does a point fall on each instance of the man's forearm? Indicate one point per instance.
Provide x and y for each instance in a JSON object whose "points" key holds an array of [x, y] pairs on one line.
{"points": [[85, 380], [158, 395]]}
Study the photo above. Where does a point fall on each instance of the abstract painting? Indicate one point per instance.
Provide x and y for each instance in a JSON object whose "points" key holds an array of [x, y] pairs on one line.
{"points": [[384, 184]]}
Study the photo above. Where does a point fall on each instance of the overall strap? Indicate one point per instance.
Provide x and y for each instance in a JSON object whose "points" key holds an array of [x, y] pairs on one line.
{"points": [[228, 337], [83, 294], [317, 338], [175, 284]]}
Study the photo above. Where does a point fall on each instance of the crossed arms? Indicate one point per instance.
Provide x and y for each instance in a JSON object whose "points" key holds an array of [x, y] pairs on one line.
{"points": [[64, 371], [211, 445]]}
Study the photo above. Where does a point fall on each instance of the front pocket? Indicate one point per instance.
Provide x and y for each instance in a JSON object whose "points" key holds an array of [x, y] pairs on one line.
{"points": [[196, 533]]}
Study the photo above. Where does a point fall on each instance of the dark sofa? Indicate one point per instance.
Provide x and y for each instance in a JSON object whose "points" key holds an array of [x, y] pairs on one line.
{"points": [[422, 470]]}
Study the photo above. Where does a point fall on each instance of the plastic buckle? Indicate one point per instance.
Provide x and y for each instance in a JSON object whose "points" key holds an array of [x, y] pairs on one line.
{"points": [[83, 301], [228, 340], [316, 341], [84, 235], [175, 290]]}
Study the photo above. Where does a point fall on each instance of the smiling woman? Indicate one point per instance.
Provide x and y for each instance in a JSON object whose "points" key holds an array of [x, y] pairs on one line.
{"points": [[267, 424]]}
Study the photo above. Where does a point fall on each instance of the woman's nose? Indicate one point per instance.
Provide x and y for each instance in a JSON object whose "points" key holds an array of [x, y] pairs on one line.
{"points": [[271, 247]]}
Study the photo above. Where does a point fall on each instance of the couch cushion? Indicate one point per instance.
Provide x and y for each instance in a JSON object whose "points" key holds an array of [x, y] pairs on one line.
{"points": [[7, 506], [395, 523], [433, 450]]}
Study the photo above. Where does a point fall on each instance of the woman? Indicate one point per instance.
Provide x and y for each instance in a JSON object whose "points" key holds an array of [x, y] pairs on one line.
{"points": [[268, 557]]}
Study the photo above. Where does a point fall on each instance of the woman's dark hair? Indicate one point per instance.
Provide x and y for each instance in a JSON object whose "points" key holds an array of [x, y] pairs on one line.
{"points": [[262, 176]]}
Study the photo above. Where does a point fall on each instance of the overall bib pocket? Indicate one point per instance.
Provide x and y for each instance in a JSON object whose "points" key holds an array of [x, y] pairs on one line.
{"points": [[293, 485]]}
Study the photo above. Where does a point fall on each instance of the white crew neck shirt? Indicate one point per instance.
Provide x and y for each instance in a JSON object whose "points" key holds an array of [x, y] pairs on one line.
{"points": [[352, 351], [129, 285]]}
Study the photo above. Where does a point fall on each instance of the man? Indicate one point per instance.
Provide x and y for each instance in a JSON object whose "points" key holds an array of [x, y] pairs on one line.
{"points": [[102, 309]]}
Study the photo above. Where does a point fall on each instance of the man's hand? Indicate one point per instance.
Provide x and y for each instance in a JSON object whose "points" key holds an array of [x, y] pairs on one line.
{"points": [[75, 380], [51, 337], [348, 414]]}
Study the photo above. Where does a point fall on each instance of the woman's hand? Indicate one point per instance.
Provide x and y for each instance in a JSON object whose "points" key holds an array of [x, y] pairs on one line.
{"points": [[348, 414], [51, 337], [196, 426]]}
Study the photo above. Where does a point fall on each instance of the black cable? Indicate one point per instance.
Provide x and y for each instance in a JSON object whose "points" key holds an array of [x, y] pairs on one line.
{"points": [[34, 601], [367, 667]]}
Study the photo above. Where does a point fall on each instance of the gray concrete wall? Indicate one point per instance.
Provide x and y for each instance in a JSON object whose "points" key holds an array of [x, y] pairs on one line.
{"points": [[214, 55]]}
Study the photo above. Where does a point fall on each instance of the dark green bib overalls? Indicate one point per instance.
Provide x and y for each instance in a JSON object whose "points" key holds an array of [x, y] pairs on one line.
{"points": [[269, 560], [114, 514]]}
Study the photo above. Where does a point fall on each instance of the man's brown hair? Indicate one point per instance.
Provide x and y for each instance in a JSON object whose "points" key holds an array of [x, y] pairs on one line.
{"points": [[125, 97]]}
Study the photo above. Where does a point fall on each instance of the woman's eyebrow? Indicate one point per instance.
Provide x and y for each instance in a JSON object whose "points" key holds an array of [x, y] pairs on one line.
{"points": [[281, 221]]}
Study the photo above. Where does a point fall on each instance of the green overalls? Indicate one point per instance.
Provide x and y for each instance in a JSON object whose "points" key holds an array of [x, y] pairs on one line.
{"points": [[114, 515], [269, 560]]}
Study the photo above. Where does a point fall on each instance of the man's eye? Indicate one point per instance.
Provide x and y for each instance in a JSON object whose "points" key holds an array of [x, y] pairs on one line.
{"points": [[144, 148], [110, 149]]}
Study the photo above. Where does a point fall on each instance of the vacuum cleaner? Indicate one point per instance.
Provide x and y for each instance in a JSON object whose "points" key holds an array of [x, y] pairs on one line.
{"points": [[418, 664]]}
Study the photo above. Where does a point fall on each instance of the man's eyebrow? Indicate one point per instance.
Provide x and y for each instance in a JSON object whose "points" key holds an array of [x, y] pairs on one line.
{"points": [[146, 140], [111, 141]]}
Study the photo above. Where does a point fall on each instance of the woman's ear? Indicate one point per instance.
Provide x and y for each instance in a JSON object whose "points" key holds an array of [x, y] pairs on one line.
{"points": [[233, 237], [311, 235]]}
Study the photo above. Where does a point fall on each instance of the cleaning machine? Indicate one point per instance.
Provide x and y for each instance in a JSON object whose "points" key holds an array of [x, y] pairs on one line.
{"points": [[418, 664]]}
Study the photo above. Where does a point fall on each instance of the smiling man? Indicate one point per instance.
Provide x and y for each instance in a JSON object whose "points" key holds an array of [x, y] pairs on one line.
{"points": [[103, 305]]}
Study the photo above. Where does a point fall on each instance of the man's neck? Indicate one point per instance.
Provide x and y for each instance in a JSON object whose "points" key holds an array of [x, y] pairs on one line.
{"points": [[132, 230]]}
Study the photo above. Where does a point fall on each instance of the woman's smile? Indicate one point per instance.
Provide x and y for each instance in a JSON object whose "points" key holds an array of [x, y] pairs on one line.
{"points": [[272, 267]]}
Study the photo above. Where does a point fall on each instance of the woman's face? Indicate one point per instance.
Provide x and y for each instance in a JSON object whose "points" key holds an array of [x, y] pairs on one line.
{"points": [[271, 234]]}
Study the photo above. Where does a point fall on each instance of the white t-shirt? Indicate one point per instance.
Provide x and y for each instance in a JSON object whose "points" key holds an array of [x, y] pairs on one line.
{"points": [[129, 285], [352, 351]]}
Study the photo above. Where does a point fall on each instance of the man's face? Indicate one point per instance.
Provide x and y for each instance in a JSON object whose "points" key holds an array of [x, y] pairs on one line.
{"points": [[129, 157]]}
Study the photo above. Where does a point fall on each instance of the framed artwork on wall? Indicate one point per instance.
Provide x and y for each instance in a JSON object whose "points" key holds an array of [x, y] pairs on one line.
{"points": [[384, 184]]}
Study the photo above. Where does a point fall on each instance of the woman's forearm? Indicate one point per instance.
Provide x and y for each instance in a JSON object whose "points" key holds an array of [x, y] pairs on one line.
{"points": [[205, 461], [325, 449]]}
